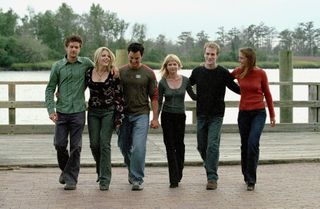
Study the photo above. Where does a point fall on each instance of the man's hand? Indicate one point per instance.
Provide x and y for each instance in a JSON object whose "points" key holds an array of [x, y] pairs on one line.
{"points": [[154, 124], [115, 72], [54, 117]]}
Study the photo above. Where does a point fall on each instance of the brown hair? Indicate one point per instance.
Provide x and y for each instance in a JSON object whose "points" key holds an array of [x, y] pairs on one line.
{"points": [[250, 54], [72, 38], [213, 45]]}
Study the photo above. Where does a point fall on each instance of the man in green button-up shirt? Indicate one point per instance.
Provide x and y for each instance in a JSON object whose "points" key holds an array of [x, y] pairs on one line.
{"points": [[68, 113]]}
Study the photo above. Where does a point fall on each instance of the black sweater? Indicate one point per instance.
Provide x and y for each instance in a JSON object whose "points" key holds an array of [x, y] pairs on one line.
{"points": [[211, 89]]}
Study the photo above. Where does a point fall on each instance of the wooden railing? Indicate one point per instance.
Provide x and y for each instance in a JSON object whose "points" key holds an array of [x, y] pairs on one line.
{"points": [[313, 105]]}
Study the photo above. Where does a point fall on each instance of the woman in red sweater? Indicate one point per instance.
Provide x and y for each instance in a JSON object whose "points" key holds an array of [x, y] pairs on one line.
{"points": [[254, 88]]}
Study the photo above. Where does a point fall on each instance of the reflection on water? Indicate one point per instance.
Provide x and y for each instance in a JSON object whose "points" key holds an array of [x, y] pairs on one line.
{"points": [[40, 116]]}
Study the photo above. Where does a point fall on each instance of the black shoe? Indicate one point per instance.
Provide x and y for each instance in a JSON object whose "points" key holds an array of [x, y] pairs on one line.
{"points": [[69, 186], [61, 179], [174, 185], [104, 187], [250, 187]]}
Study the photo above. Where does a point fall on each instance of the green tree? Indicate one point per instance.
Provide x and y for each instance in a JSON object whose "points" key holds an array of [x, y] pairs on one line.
{"points": [[8, 22], [138, 33], [94, 24], [234, 42], [186, 45], [286, 39], [47, 30]]}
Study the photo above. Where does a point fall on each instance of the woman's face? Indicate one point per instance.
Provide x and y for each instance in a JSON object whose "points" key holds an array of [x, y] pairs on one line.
{"points": [[105, 58], [172, 67], [243, 60]]}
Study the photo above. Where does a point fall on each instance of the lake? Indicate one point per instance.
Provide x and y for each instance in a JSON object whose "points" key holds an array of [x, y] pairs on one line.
{"points": [[40, 116]]}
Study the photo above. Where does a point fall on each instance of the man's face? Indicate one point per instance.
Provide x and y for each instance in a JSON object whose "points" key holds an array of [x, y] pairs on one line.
{"points": [[210, 56], [134, 59], [73, 50]]}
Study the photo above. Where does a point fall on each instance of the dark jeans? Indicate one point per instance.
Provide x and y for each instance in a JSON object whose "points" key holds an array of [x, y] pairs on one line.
{"points": [[208, 138], [251, 124], [173, 126], [69, 162], [100, 126]]}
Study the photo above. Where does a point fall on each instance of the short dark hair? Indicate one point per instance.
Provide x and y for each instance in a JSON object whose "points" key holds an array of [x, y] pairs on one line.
{"points": [[73, 38], [136, 47]]}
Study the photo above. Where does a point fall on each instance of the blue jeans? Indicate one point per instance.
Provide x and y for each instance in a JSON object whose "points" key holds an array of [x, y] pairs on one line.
{"points": [[251, 124], [208, 137], [132, 140]]}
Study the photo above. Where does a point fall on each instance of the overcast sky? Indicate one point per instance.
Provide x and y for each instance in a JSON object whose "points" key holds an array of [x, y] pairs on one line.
{"points": [[171, 17]]}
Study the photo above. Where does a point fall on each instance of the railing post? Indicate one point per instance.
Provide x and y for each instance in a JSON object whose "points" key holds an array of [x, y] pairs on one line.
{"points": [[285, 75], [314, 112], [194, 116], [121, 57], [12, 99]]}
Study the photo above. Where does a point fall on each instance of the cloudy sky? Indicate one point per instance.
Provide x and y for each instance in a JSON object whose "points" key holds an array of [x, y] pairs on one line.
{"points": [[171, 17]]}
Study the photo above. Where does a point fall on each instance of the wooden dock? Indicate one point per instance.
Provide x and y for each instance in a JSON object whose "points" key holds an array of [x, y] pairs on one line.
{"points": [[37, 150]]}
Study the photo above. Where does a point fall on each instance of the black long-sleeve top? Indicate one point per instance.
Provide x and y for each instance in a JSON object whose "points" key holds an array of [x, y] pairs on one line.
{"points": [[211, 89]]}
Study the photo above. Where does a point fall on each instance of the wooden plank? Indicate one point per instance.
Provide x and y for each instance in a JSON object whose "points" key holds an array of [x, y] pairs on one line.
{"points": [[190, 128]]}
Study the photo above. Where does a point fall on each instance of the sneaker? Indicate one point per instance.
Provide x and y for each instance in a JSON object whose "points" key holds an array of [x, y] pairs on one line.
{"points": [[136, 186], [212, 185], [69, 186], [61, 179], [104, 187], [250, 187]]}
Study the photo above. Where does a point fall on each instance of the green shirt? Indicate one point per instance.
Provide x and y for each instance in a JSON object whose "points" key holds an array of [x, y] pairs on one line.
{"points": [[70, 80], [138, 86]]}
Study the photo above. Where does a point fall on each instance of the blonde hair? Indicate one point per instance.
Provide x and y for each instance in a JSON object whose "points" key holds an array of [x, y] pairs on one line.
{"points": [[170, 57], [250, 54], [213, 45], [97, 55]]}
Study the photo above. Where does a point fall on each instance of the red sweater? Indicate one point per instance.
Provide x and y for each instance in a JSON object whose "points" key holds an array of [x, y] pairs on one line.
{"points": [[254, 87]]}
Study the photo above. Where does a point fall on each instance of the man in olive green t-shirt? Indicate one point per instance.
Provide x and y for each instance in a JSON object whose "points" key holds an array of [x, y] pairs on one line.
{"points": [[139, 86]]}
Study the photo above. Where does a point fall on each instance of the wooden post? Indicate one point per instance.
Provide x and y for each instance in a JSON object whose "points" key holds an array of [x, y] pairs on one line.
{"points": [[285, 75], [121, 57], [12, 99], [314, 112]]}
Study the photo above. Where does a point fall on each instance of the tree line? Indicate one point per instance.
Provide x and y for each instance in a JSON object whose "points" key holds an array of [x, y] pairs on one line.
{"points": [[38, 37]]}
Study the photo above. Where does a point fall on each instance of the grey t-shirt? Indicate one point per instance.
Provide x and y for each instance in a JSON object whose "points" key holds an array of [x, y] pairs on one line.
{"points": [[174, 98]]}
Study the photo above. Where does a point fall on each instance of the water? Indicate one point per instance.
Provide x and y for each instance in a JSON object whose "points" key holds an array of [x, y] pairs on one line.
{"points": [[40, 116]]}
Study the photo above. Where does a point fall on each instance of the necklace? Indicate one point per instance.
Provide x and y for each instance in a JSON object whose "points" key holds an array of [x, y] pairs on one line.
{"points": [[100, 75]]}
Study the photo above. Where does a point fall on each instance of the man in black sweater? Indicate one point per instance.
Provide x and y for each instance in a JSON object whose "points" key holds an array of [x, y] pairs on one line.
{"points": [[211, 80]]}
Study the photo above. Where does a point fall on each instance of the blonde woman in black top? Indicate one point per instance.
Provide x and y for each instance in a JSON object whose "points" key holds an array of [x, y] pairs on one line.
{"points": [[104, 112]]}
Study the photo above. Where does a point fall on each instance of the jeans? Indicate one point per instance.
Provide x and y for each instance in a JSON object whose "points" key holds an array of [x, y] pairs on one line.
{"points": [[132, 140], [100, 127], [72, 124], [208, 138], [173, 126], [251, 124]]}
